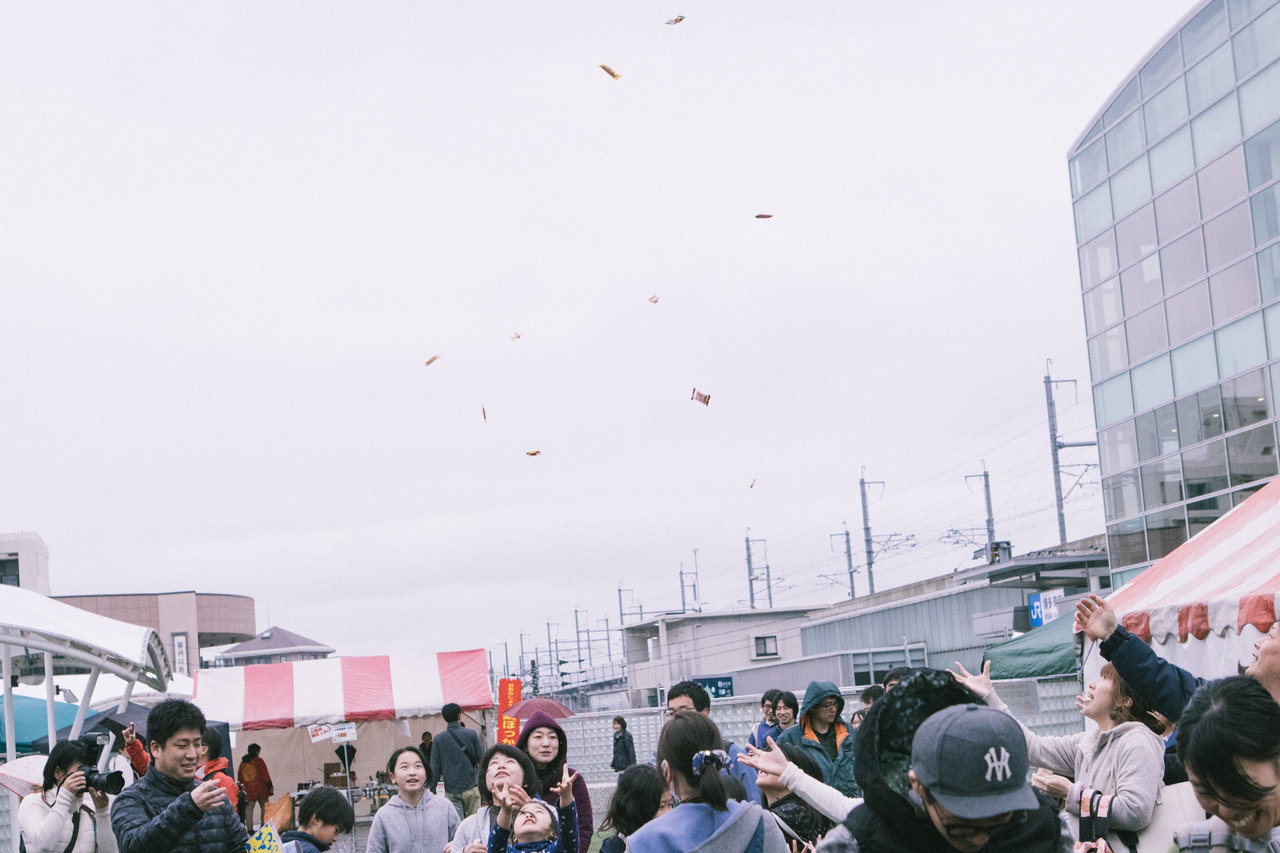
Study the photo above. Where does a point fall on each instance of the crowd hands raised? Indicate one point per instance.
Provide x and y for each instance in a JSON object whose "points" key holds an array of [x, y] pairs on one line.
{"points": [[932, 761]]}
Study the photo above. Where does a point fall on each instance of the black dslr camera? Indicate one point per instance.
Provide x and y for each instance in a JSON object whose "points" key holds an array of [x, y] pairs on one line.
{"points": [[108, 783]]}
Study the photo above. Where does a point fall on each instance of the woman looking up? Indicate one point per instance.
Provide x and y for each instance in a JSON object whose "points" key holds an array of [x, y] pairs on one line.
{"points": [[545, 743]]}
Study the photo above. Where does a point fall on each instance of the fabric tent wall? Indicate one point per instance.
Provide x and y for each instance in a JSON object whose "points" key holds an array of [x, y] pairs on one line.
{"points": [[1046, 650], [345, 689], [1204, 605], [292, 757]]}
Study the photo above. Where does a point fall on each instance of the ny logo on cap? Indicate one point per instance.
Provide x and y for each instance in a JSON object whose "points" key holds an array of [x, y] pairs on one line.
{"points": [[998, 764]]}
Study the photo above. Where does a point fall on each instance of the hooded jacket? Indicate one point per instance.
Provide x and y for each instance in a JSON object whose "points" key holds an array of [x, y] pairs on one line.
{"points": [[892, 819], [698, 828], [217, 769], [551, 773], [839, 773], [1126, 762], [401, 828]]}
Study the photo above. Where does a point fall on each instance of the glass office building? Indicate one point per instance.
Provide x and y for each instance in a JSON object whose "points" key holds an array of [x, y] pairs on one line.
{"points": [[1177, 215]]}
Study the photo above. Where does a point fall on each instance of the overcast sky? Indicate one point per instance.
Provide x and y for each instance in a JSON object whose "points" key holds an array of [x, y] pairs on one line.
{"points": [[235, 231]]}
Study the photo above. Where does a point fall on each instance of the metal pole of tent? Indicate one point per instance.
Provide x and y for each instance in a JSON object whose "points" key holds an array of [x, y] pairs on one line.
{"points": [[83, 710], [10, 740], [128, 694], [49, 693]]}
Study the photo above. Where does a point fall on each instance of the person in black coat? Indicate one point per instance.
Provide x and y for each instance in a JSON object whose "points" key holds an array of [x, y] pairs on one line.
{"points": [[624, 748], [166, 811]]}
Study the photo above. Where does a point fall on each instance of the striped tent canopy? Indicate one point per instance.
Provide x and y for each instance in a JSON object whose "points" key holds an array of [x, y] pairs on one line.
{"points": [[1224, 578], [343, 689]]}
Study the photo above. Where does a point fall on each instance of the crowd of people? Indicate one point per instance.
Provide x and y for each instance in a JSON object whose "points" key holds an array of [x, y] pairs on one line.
{"points": [[932, 760]]}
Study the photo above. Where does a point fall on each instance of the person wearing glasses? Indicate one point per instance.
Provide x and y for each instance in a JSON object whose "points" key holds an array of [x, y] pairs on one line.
{"points": [[963, 787], [825, 737]]}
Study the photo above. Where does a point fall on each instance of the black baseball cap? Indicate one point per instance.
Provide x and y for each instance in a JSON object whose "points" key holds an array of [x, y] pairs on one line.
{"points": [[973, 760]]}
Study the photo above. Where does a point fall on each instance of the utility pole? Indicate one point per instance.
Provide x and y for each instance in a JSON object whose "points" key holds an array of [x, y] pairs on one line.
{"points": [[1055, 444], [506, 660], [622, 614], [692, 585], [577, 631], [848, 558], [751, 575], [866, 528], [991, 522]]}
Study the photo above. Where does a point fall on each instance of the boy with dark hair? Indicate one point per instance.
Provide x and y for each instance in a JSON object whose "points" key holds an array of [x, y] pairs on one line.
{"points": [[692, 696], [166, 811], [323, 814], [767, 727], [455, 753], [215, 767]]}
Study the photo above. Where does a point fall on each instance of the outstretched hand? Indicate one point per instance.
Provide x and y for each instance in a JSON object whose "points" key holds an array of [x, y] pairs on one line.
{"points": [[565, 788], [979, 683], [769, 760], [1095, 617]]}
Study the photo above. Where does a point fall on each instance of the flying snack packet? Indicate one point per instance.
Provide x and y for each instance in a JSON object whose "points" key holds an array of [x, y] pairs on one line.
{"points": [[654, 299], [704, 399], [430, 360], [533, 453], [764, 216], [515, 336], [607, 70], [677, 19], [484, 414]]}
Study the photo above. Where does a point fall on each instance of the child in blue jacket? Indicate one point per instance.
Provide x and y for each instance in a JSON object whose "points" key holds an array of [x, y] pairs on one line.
{"points": [[526, 825]]}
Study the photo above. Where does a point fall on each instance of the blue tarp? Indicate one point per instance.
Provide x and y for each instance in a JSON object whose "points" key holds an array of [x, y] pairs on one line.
{"points": [[31, 722]]}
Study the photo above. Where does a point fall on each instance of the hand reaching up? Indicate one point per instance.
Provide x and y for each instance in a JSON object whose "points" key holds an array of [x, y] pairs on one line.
{"points": [[979, 683], [565, 788], [1095, 617]]}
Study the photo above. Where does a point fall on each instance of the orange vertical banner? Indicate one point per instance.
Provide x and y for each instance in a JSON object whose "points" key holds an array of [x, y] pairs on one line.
{"points": [[508, 695]]}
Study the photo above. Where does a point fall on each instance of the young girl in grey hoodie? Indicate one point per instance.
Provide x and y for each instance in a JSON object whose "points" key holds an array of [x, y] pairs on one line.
{"points": [[414, 820]]}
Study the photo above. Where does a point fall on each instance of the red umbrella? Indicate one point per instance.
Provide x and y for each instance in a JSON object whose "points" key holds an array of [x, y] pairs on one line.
{"points": [[526, 708]]}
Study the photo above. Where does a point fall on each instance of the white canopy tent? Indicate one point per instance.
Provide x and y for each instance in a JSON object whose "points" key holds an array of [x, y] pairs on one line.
{"points": [[34, 623]]}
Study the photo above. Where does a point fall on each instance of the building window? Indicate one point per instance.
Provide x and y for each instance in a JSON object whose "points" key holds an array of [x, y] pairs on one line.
{"points": [[9, 572], [766, 647]]}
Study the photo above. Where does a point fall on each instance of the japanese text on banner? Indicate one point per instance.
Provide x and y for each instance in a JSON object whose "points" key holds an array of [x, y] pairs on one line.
{"points": [[508, 695]]}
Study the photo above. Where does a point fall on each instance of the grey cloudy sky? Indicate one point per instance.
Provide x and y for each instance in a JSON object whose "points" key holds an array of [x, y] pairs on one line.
{"points": [[235, 231]]}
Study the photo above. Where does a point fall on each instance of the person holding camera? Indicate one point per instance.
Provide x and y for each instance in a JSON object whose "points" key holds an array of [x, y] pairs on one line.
{"points": [[60, 818]]}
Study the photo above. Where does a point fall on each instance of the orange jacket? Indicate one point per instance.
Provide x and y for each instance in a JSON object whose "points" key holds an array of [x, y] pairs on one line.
{"points": [[217, 769]]}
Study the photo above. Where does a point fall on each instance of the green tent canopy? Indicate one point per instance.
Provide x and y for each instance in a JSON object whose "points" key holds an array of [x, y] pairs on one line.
{"points": [[1047, 650], [31, 723]]}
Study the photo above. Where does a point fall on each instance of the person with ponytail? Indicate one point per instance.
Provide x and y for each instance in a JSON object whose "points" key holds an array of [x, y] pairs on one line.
{"points": [[690, 758]]}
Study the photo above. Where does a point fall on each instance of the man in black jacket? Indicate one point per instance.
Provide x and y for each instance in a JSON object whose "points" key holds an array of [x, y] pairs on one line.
{"points": [[166, 811], [941, 772]]}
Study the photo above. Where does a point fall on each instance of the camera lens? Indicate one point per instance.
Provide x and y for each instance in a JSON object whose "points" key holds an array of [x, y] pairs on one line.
{"points": [[108, 783]]}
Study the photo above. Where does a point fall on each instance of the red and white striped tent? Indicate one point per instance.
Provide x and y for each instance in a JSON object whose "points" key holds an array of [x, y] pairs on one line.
{"points": [[343, 689], [1205, 604]]}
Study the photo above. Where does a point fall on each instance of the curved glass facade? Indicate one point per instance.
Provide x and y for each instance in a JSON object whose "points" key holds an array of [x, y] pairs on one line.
{"points": [[1177, 215]]}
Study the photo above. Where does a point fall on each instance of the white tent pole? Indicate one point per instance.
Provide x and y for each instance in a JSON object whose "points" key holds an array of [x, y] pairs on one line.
{"points": [[124, 700], [10, 738], [10, 727], [48, 699], [83, 710]]}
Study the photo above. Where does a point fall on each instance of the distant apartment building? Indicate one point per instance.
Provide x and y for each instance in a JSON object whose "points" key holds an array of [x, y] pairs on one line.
{"points": [[24, 561]]}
